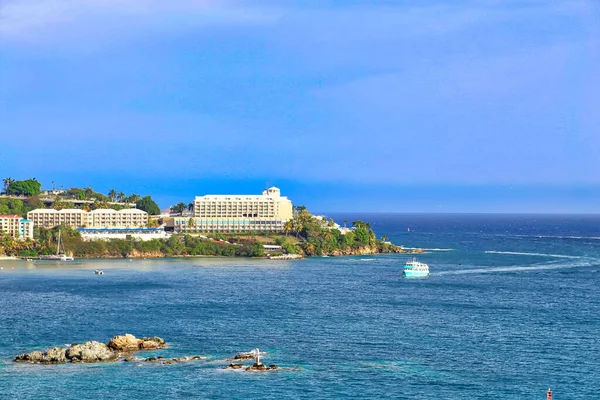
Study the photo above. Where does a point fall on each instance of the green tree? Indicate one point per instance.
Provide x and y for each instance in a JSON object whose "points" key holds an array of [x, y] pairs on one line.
{"points": [[148, 205], [121, 196], [29, 187], [112, 193], [179, 208], [7, 183]]}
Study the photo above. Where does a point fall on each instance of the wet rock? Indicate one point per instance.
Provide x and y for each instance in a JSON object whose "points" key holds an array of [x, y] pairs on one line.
{"points": [[168, 362], [125, 342], [151, 359], [89, 352], [152, 343], [33, 357], [130, 359], [234, 366], [257, 367], [128, 342], [55, 355], [244, 356], [180, 359], [196, 358], [272, 367]]}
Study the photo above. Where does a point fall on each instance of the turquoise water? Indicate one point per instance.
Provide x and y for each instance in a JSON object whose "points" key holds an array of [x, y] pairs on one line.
{"points": [[511, 308]]}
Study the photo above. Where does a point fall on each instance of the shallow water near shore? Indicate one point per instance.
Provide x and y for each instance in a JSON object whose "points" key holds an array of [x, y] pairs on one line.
{"points": [[511, 308]]}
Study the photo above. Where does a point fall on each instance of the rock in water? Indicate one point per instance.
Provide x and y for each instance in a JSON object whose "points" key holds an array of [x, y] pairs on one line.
{"points": [[90, 352], [257, 367], [54, 355], [151, 343], [234, 366], [244, 356], [128, 342]]}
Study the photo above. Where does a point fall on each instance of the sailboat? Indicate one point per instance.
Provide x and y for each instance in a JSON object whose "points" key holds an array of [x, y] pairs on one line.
{"points": [[58, 256]]}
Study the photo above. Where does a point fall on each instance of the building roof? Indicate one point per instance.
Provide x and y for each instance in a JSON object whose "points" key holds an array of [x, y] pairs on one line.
{"points": [[133, 210], [10, 216], [103, 211], [118, 230]]}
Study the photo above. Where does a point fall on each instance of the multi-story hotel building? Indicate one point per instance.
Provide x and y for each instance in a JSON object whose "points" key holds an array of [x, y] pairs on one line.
{"points": [[238, 213], [109, 218], [16, 226], [100, 218]]}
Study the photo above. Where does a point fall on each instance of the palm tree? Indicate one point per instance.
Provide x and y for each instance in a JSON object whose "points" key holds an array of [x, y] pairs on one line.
{"points": [[112, 193], [288, 227], [191, 207], [7, 182], [121, 196], [384, 238]]}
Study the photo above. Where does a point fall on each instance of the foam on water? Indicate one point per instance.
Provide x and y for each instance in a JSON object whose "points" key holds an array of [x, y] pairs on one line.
{"points": [[520, 253]]}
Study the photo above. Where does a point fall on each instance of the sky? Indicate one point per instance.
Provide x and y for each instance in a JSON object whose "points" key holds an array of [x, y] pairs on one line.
{"points": [[391, 106]]}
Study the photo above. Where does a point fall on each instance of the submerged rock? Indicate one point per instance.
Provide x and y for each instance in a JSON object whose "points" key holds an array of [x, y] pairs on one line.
{"points": [[234, 366]]}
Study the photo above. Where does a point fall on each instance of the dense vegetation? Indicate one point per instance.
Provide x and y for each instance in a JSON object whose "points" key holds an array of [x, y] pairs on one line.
{"points": [[148, 205], [321, 236], [31, 189], [177, 245]]}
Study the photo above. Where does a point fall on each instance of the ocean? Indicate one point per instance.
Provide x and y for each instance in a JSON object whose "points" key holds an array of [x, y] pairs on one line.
{"points": [[511, 308]]}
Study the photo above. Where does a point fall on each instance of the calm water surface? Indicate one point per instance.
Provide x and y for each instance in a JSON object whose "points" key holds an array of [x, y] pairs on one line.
{"points": [[512, 308]]}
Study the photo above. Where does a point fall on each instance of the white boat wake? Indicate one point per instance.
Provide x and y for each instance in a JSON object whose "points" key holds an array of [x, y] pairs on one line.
{"points": [[583, 264], [518, 253]]}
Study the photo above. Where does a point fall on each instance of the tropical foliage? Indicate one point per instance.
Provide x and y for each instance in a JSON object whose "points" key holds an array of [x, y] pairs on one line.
{"points": [[148, 205], [29, 187]]}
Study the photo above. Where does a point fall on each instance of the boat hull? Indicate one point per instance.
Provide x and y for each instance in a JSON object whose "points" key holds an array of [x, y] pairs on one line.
{"points": [[415, 274]]}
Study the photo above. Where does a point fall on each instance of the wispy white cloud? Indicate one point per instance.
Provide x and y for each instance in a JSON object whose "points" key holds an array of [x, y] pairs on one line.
{"points": [[60, 21]]}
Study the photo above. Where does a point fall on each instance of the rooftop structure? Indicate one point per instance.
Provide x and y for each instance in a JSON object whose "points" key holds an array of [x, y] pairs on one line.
{"points": [[17, 227], [100, 218]]}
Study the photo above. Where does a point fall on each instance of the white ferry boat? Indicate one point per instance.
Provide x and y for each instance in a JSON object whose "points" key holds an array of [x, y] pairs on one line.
{"points": [[415, 269]]}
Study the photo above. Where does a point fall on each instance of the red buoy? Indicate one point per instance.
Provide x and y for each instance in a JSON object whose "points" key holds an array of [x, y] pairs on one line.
{"points": [[549, 395]]}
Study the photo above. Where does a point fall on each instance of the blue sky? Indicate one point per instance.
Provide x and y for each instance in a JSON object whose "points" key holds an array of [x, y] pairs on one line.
{"points": [[346, 105]]}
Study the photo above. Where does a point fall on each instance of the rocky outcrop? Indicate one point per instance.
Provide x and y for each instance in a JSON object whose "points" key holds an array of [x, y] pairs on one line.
{"points": [[128, 343], [90, 352], [93, 351], [244, 356], [54, 355], [234, 366], [262, 367], [145, 254]]}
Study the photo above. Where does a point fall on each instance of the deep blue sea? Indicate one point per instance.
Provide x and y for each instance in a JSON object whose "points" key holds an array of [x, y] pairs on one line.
{"points": [[512, 308]]}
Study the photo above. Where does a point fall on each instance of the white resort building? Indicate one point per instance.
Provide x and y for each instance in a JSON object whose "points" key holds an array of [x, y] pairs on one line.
{"points": [[237, 213], [100, 218], [17, 227]]}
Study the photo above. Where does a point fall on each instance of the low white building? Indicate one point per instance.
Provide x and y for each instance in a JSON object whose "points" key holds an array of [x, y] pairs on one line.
{"points": [[122, 233]]}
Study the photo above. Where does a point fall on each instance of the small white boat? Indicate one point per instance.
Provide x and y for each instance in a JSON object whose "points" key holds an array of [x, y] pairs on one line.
{"points": [[415, 269], [99, 272]]}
